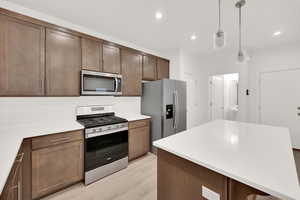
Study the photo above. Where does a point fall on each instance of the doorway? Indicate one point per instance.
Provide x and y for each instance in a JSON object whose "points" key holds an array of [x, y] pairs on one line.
{"points": [[223, 101], [279, 103]]}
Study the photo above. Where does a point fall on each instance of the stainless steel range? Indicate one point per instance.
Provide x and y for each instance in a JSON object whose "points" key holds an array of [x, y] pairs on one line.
{"points": [[106, 141]]}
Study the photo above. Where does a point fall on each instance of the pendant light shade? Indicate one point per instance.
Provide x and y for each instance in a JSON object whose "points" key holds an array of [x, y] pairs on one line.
{"points": [[242, 56], [219, 36]]}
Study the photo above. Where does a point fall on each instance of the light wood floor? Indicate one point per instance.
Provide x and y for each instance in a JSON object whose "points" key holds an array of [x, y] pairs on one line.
{"points": [[137, 182]]}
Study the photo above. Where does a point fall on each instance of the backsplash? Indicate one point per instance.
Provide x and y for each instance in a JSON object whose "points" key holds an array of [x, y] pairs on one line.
{"points": [[37, 109]]}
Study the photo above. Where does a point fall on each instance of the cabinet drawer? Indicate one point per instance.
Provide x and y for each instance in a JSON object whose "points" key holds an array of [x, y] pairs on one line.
{"points": [[55, 139], [139, 123]]}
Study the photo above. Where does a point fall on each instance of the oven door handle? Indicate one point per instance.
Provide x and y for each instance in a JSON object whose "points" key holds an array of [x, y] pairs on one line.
{"points": [[91, 135]]}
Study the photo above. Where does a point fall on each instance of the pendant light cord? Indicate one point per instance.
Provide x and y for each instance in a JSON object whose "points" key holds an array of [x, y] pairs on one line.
{"points": [[240, 28], [219, 15]]}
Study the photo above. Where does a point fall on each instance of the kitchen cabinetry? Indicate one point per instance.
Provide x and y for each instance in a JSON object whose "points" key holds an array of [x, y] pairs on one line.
{"points": [[42, 59], [91, 52], [162, 68], [57, 161], [111, 59], [138, 138], [21, 58], [63, 61], [149, 68], [16, 187], [131, 73]]}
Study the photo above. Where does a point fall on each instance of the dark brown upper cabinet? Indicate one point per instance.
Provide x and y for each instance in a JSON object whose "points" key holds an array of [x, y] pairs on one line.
{"points": [[162, 68], [132, 73], [63, 61], [149, 68], [22, 62], [91, 51], [111, 59]]}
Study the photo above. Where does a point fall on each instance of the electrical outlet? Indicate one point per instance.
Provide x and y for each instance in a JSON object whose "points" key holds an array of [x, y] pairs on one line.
{"points": [[209, 194]]}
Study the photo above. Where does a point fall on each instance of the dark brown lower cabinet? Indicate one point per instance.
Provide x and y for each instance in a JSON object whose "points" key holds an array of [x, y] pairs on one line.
{"points": [[138, 138], [239, 191], [56, 167], [179, 179], [18, 184]]}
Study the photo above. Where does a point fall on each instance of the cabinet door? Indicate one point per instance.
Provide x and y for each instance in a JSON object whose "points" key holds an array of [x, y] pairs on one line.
{"points": [[56, 167], [111, 59], [22, 60], [13, 189], [149, 68], [91, 51], [138, 142], [162, 68], [63, 60], [131, 73]]}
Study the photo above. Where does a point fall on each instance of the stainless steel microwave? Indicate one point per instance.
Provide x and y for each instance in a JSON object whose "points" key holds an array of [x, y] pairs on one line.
{"points": [[98, 83]]}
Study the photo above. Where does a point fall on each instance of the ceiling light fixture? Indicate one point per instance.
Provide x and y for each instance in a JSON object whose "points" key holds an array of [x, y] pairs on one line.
{"points": [[193, 37], [276, 33], [158, 15], [242, 55], [219, 36]]}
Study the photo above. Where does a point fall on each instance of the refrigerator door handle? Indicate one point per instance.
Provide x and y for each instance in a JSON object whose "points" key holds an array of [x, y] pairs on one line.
{"points": [[174, 109], [175, 117], [177, 110]]}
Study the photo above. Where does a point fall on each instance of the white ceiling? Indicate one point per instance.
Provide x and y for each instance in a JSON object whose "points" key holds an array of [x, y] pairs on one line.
{"points": [[134, 21]]}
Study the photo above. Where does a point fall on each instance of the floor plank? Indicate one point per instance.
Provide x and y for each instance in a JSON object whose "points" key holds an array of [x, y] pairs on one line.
{"points": [[137, 182]]}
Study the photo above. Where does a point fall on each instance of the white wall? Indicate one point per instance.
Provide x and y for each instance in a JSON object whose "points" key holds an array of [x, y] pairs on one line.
{"points": [[196, 70], [30, 109], [40, 109]]}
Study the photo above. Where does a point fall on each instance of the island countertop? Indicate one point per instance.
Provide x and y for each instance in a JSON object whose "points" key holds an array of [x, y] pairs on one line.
{"points": [[256, 155]]}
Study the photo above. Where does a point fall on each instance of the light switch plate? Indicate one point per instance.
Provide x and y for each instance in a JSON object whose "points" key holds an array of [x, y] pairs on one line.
{"points": [[209, 194]]}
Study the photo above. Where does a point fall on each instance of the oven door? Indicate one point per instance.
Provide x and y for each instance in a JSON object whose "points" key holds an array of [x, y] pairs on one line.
{"points": [[105, 149], [97, 83]]}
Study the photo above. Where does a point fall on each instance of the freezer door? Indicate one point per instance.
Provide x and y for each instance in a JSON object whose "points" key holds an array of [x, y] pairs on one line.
{"points": [[168, 96], [180, 106]]}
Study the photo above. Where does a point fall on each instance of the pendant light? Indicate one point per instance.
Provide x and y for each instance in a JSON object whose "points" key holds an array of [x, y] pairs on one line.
{"points": [[219, 36], [242, 55]]}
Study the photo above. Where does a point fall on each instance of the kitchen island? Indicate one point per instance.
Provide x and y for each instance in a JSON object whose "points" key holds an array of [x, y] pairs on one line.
{"points": [[227, 160]]}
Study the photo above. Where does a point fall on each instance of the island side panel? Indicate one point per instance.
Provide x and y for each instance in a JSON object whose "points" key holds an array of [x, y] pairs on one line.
{"points": [[240, 191], [179, 179]]}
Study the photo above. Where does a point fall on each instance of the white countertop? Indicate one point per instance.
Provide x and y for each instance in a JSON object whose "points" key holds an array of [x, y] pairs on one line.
{"points": [[256, 155], [11, 138], [132, 116]]}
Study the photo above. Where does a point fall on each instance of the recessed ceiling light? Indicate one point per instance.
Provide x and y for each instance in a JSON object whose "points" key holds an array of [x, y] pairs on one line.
{"points": [[193, 37], [158, 15], [276, 33]]}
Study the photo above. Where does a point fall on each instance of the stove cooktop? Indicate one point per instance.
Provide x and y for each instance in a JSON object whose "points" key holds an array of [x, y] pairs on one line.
{"points": [[102, 120]]}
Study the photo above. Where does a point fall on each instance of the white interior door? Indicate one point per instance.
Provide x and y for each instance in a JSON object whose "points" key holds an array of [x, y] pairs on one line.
{"points": [[217, 100], [280, 101]]}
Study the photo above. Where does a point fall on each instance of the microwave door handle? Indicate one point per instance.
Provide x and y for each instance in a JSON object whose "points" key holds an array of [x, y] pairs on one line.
{"points": [[117, 86]]}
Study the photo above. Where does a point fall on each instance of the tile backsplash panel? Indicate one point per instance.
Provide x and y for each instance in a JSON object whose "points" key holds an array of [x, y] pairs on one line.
{"points": [[41, 109]]}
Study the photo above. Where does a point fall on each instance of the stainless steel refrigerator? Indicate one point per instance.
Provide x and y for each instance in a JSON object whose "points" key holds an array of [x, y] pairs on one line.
{"points": [[165, 102]]}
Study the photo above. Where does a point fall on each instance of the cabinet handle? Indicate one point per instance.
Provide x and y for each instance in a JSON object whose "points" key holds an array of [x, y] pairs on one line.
{"points": [[21, 158], [19, 191], [18, 187], [60, 140]]}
